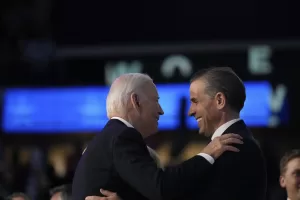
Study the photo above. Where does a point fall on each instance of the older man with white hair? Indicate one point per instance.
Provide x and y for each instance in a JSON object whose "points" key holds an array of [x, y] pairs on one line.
{"points": [[118, 160]]}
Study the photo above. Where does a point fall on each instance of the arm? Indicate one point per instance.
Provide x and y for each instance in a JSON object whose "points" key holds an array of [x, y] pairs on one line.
{"points": [[134, 164]]}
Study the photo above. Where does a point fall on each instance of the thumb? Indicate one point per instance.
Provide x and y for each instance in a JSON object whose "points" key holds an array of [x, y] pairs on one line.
{"points": [[107, 193]]}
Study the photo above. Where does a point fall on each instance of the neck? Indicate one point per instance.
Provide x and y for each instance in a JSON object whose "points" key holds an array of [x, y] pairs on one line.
{"points": [[226, 117], [293, 197]]}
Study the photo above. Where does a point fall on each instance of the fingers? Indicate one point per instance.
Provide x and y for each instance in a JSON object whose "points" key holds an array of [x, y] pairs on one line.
{"points": [[95, 198], [231, 148], [107, 192], [232, 141]]}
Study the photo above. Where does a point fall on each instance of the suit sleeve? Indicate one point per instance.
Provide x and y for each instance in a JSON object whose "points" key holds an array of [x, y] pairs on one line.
{"points": [[135, 166]]}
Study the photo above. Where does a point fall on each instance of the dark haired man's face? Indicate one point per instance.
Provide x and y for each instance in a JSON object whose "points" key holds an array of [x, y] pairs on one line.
{"points": [[203, 108], [290, 180], [18, 198], [56, 196]]}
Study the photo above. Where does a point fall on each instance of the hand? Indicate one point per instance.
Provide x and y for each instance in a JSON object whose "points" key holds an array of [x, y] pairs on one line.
{"points": [[109, 196], [221, 144]]}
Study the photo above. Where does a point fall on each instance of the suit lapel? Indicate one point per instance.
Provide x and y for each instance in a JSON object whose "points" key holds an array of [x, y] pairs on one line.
{"points": [[239, 128]]}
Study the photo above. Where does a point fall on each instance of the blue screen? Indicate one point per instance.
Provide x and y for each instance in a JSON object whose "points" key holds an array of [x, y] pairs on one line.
{"points": [[170, 96], [65, 110], [54, 110]]}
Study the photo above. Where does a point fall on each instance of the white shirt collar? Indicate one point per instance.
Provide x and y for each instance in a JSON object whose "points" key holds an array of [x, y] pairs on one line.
{"points": [[124, 121], [223, 128]]}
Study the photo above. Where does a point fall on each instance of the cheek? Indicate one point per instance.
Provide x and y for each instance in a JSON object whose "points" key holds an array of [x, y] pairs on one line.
{"points": [[149, 110], [290, 181], [211, 112], [199, 109], [203, 112]]}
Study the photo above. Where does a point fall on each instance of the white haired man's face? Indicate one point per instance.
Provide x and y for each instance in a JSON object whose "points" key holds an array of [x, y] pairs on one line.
{"points": [[147, 109]]}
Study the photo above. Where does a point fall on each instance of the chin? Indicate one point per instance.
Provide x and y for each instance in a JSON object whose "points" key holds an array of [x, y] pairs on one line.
{"points": [[201, 132], [153, 132]]}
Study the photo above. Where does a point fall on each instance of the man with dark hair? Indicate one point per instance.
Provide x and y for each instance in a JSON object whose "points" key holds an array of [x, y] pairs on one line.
{"points": [[290, 174], [63, 192], [217, 96], [18, 196]]}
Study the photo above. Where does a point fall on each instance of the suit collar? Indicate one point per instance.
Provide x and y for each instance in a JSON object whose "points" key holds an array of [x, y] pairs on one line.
{"points": [[124, 121], [223, 128], [236, 127], [240, 128]]}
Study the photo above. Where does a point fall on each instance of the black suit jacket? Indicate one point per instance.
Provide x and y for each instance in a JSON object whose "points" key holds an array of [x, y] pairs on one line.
{"points": [[236, 176], [118, 160]]}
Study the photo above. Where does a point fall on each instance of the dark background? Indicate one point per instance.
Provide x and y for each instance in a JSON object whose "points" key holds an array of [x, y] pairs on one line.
{"points": [[52, 43]]}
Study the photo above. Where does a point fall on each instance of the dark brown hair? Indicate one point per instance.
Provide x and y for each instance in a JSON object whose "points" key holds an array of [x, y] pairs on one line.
{"points": [[290, 155], [224, 80], [66, 191]]}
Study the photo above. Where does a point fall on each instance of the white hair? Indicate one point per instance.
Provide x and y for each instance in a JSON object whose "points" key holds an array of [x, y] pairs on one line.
{"points": [[121, 89]]}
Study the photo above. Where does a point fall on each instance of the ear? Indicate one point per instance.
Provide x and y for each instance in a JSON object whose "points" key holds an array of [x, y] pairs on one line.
{"points": [[282, 181], [135, 101], [220, 100]]}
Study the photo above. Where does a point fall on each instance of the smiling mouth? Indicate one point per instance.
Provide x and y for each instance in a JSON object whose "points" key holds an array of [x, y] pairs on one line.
{"points": [[199, 119]]}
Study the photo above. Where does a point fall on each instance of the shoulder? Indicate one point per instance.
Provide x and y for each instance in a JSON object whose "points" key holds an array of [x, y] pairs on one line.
{"points": [[105, 138], [250, 154], [115, 128], [128, 138]]}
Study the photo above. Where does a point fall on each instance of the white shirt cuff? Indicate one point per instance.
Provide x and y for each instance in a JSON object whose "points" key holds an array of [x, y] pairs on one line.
{"points": [[210, 159]]}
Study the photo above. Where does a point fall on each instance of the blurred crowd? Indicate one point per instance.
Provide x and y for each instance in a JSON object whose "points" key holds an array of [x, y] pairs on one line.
{"points": [[34, 172], [36, 178]]}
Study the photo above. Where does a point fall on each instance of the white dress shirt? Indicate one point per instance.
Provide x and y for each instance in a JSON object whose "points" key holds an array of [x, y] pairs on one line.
{"points": [[154, 154]]}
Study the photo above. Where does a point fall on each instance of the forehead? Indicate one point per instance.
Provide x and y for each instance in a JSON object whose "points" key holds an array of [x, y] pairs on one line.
{"points": [[293, 164], [197, 87]]}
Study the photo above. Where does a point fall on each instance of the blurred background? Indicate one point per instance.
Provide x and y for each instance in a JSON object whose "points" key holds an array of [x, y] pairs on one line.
{"points": [[58, 59]]}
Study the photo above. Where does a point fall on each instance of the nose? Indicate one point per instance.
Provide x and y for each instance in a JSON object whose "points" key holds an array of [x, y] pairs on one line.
{"points": [[160, 112], [191, 112]]}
